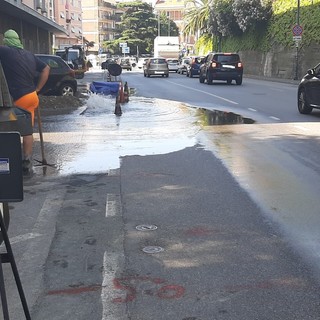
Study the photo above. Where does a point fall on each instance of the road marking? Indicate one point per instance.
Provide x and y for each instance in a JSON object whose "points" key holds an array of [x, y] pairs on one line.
{"points": [[24, 237], [251, 109], [274, 118], [112, 205], [209, 94], [110, 311]]}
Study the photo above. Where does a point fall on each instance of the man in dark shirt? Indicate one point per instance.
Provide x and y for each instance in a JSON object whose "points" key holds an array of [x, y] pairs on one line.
{"points": [[21, 67]]}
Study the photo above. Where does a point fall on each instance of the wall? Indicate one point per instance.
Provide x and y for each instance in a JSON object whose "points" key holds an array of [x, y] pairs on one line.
{"points": [[280, 62]]}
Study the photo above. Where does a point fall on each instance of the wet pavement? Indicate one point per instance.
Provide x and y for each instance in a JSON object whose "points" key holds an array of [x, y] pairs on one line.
{"points": [[213, 254], [93, 139]]}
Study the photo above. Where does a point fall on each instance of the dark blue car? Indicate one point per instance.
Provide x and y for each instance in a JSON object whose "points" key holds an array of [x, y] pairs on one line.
{"points": [[193, 69]]}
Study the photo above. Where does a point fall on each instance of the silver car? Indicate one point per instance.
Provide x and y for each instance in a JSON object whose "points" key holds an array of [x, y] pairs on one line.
{"points": [[156, 67]]}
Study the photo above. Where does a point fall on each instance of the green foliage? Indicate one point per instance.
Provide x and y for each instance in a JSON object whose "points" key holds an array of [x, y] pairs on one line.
{"points": [[204, 44], [278, 29], [138, 29], [285, 17]]}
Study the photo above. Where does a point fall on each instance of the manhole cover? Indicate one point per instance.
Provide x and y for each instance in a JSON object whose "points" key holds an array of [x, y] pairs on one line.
{"points": [[146, 227], [152, 249]]}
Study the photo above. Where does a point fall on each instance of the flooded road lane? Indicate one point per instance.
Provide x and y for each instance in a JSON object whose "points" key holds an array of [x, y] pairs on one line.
{"points": [[93, 138]]}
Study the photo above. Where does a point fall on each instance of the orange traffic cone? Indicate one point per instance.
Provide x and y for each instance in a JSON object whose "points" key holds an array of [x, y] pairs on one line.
{"points": [[117, 110], [126, 92]]}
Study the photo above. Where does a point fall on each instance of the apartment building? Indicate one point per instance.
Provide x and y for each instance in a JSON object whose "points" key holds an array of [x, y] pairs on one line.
{"points": [[68, 14], [175, 9], [99, 22]]}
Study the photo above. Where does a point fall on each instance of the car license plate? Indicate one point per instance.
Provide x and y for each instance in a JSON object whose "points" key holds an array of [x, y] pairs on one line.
{"points": [[158, 72], [228, 66]]}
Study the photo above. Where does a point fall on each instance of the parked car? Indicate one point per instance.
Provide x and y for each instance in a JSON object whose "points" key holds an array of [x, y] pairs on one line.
{"points": [[125, 64], [61, 81], [155, 67], [182, 68], [173, 64], [193, 68], [309, 91], [142, 62], [221, 66]]}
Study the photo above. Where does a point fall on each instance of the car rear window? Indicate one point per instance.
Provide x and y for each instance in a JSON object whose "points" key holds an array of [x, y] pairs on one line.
{"points": [[158, 61], [226, 57]]}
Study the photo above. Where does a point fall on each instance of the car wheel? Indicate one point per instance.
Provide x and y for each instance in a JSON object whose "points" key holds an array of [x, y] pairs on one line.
{"points": [[303, 105], [144, 74], [209, 78], [229, 81], [239, 81], [201, 78], [167, 75], [190, 75], [148, 75], [66, 89]]}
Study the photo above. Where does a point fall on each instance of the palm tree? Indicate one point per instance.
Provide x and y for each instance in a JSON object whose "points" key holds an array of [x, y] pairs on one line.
{"points": [[197, 16]]}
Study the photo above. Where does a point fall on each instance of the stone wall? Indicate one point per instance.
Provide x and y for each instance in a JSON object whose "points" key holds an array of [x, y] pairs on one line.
{"points": [[280, 62]]}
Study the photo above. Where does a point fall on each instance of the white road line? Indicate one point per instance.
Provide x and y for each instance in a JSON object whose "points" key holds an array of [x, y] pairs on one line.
{"points": [[110, 310], [251, 109], [24, 237], [112, 204], [209, 94], [274, 118]]}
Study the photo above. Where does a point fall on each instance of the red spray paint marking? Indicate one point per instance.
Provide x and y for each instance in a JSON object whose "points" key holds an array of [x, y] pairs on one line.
{"points": [[129, 285], [72, 291]]}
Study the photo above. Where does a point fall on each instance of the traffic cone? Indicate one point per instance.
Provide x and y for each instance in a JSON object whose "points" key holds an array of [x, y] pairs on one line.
{"points": [[121, 93], [117, 110], [126, 92]]}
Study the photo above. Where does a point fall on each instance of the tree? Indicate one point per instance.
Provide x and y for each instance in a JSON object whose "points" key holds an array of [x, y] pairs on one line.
{"points": [[139, 27], [197, 16], [249, 12], [165, 24]]}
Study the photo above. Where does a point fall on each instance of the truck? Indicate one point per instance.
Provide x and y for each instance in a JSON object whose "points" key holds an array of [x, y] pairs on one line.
{"points": [[76, 59], [166, 47]]}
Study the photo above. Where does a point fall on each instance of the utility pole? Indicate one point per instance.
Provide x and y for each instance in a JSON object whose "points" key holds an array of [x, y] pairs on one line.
{"points": [[297, 43]]}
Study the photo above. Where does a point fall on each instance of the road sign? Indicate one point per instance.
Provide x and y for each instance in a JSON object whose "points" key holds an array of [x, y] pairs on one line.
{"points": [[297, 30], [122, 44], [125, 49], [297, 38]]}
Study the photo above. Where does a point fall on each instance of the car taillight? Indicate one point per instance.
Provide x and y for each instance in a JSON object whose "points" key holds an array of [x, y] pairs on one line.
{"points": [[240, 65], [213, 64]]}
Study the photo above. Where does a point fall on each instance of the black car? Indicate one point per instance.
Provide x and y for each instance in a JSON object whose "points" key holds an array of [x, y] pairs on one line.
{"points": [[193, 68], [309, 91], [61, 81], [221, 66]]}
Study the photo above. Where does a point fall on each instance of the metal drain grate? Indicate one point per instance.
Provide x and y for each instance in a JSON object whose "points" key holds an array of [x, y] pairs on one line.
{"points": [[152, 249], [146, 227]]}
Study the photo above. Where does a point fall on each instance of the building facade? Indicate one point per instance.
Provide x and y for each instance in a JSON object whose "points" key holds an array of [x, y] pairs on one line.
{"points": [[31, 20], [99, 23], [175, 10], [68, 14]]}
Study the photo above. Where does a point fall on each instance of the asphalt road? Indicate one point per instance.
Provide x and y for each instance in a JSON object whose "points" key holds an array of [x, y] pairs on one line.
{"points": [[220, 248]]}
